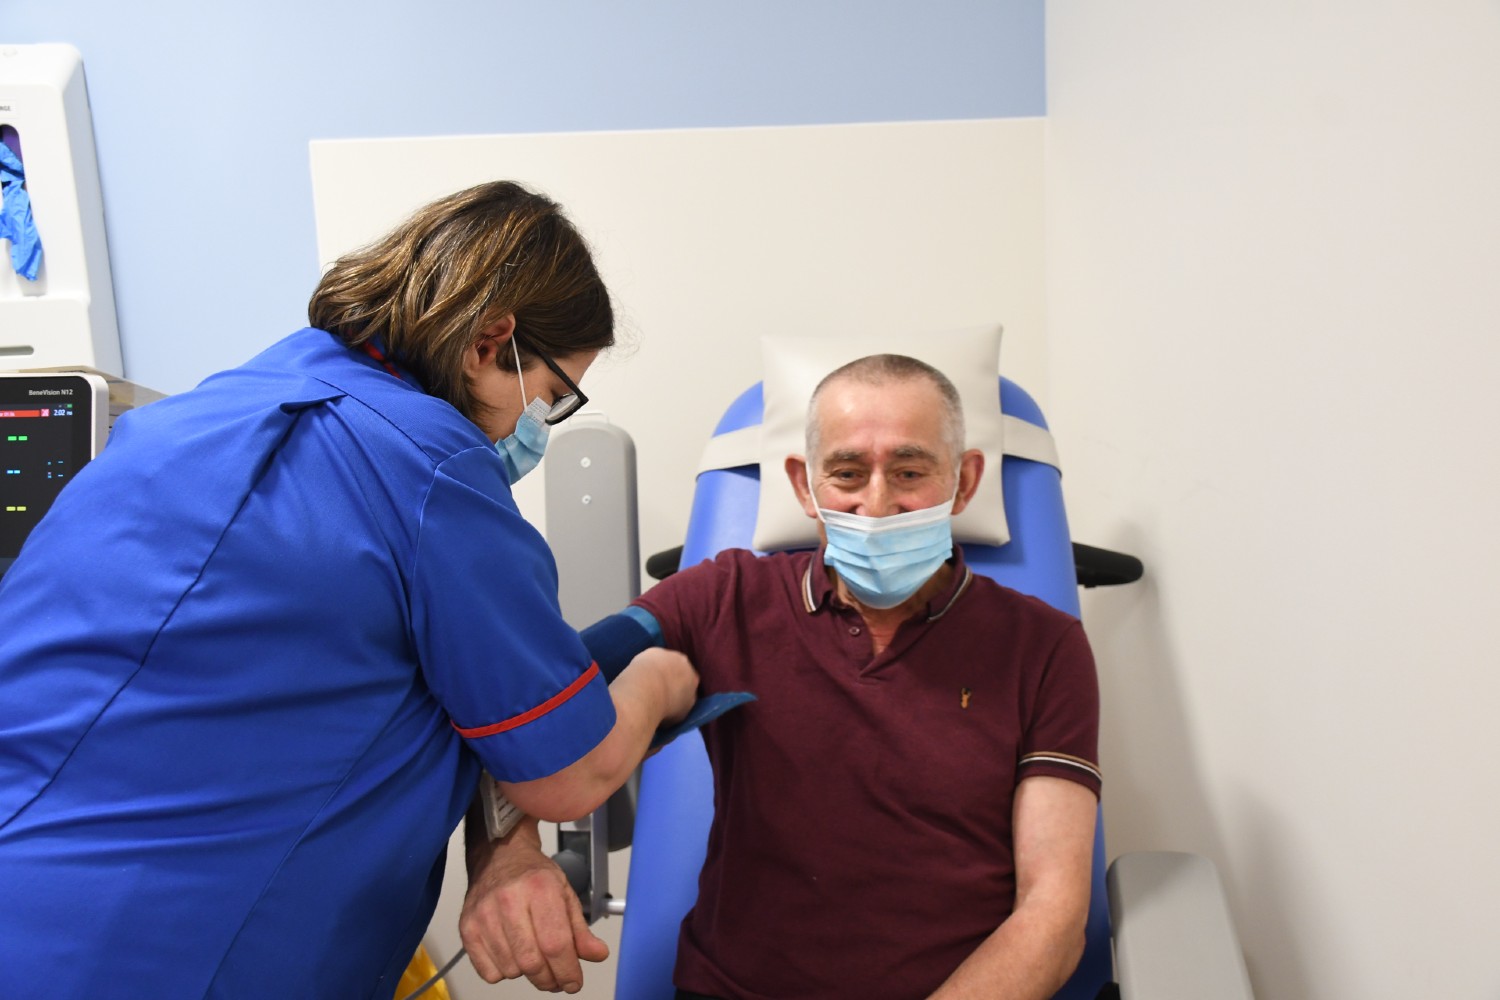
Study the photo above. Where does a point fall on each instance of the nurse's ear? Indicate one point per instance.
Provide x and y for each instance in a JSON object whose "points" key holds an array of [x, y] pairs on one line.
{"points": [[494, 338]]}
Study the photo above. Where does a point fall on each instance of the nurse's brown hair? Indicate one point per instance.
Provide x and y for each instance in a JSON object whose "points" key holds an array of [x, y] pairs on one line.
{"points": [[428, 287]]}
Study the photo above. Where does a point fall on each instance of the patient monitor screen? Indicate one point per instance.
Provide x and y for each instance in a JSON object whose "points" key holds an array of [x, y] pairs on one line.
{"points": [[46, 436]]}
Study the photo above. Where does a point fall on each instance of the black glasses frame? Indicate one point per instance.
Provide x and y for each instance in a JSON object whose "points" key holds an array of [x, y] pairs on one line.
{"points": [[564, 406]]}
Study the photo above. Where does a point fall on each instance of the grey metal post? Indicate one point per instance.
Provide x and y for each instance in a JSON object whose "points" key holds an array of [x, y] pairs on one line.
{"points": [[592, 529]]}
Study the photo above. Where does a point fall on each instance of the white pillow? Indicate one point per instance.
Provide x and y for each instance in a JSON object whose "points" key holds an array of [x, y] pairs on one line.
{"points": [[793, 367]]}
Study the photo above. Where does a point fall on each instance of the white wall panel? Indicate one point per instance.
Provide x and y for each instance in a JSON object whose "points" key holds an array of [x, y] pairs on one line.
{"points": [[1273, 233]]}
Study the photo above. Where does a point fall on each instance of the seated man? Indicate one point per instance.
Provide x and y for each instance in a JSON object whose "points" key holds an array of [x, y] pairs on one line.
{"points": [[908, 809]]}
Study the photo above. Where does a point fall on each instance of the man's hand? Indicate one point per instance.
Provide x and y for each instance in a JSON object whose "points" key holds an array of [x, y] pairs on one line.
{"points": [[521, 918]]}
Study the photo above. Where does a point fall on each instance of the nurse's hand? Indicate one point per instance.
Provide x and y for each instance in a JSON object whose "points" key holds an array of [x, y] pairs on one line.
{"points": [[676, 680], [520, 917]]}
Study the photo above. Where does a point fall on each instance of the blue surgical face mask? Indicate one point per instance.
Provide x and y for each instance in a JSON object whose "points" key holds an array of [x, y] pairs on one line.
{"points": [[522, 449], [885, 560]]}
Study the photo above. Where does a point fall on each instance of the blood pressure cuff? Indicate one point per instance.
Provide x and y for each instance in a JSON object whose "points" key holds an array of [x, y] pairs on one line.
{"points": [[614, 641]]}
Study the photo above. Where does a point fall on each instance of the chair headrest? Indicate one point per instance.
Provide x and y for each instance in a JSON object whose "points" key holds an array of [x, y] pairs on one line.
{"points": [[793, 367]]}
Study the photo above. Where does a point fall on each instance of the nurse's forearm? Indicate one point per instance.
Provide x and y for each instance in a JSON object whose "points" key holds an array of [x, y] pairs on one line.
{"points": [[658, 686]]}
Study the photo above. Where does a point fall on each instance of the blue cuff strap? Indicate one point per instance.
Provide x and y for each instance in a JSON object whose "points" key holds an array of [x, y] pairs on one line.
{"points": [[646, 620], [705, 710]]}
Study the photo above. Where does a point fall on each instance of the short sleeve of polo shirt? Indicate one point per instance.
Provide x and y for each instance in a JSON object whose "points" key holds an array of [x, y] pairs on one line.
{"points": [[689, 601], [1060, 714], [513, 676]]}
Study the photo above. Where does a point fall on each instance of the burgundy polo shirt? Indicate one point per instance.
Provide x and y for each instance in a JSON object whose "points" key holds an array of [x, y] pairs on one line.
{"points": [[861, 842]]}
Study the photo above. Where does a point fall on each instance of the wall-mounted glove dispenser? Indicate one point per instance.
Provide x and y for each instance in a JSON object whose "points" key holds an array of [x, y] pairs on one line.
{"points": [[57, 303]]}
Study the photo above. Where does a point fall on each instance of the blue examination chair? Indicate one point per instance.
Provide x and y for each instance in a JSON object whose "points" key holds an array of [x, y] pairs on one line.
{"points": [[1176, 949]]}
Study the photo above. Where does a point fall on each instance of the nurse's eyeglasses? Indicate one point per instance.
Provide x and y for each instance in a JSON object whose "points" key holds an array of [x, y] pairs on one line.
{"points": [[564, 406]]}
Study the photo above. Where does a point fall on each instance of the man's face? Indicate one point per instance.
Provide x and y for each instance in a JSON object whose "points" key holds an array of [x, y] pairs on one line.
{"points": [[881, 450]]}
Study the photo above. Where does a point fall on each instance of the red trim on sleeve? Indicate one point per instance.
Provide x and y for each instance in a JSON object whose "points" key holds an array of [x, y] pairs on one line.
{"points": [[535, 713]]}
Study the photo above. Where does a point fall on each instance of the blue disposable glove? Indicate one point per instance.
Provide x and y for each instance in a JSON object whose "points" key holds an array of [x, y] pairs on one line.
{"points": [[16, 223]]}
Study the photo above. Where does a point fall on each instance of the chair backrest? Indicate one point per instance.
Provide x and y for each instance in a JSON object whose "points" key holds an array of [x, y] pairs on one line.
{"points": [[676, 796]]}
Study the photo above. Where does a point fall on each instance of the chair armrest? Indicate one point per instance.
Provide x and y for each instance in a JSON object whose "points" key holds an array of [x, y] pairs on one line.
{"points": [[1174, 939]]}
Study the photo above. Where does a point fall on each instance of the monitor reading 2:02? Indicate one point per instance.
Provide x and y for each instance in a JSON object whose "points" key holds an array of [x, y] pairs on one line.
{"points": [[48, 432]]}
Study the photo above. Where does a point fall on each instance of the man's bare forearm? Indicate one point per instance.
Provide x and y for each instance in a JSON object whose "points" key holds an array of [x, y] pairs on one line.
{"points": [[478, 848], [1032, 954]]}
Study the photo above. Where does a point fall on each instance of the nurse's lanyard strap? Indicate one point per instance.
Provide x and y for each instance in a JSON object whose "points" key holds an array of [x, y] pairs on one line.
{"points": [[372, 347]]}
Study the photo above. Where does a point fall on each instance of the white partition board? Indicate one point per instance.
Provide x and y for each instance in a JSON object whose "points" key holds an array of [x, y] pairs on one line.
{"points": [[709, 238]]}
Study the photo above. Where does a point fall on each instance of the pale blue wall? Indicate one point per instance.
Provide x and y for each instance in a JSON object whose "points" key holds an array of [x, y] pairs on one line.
{"points": [[203, 111]]}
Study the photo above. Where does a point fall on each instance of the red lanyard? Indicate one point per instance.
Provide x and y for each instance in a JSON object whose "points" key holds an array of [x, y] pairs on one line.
{"points": [[379, 355]]}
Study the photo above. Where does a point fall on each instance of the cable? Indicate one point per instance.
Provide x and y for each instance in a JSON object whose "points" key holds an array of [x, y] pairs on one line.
{"points": [[439, 975]]}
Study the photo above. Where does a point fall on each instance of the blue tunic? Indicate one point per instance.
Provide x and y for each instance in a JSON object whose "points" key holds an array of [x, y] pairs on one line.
{"points": [[250, 666]]}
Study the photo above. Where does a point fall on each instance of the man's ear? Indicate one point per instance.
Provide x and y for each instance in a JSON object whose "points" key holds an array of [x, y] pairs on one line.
{"points": [[796, 471], [492, 339], [970, 471]]}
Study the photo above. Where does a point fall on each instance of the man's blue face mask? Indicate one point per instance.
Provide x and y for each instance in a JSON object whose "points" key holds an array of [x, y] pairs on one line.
{"points": [[885, 560], [522, 449]]}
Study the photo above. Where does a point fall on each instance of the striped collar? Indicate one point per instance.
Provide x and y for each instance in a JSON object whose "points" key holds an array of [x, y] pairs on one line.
{"points": [[818, 586]]}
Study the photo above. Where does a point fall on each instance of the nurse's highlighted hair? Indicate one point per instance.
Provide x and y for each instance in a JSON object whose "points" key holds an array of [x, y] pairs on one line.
{"points": [[884, 369], [428, 287]]}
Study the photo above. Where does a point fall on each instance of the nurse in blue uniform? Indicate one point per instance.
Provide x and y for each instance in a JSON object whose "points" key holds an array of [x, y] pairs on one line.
{"points": [[252, 662]]}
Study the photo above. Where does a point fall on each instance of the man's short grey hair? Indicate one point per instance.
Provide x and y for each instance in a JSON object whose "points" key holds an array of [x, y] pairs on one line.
{"points": [[884, 369]]}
